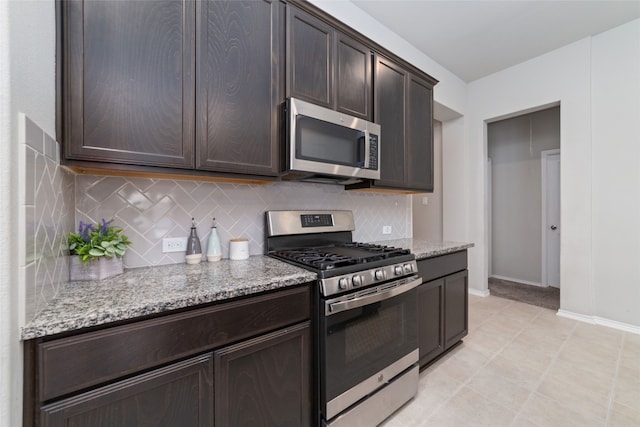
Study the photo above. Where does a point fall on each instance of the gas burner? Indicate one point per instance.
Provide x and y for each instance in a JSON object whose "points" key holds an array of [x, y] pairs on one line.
{"points": [[315, 257], [387, 251], [341, 255]]}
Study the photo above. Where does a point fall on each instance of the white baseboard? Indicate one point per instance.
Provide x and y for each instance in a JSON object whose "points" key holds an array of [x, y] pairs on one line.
{"points": [[479, 293], [524, 282], [595, 320]]}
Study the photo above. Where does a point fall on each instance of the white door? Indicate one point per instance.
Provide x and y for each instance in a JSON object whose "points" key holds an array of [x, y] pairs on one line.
{"points": [[551, 229]]}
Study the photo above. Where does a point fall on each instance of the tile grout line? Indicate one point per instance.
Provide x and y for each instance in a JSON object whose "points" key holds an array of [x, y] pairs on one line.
{"points": [[544, 374], [612, 392], [489, 360], [457, 389]]}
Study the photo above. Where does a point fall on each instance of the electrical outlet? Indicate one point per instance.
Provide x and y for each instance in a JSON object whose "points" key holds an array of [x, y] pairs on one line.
{"points": [[386, 229], [174, 244], [425, 200]]}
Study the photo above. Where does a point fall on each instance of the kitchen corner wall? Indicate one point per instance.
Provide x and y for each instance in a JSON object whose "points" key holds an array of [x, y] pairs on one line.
{"points": [[46, 215], [150, 209]]}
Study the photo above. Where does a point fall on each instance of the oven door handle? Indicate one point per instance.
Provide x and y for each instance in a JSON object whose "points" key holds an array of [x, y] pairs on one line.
{"points": [[337, 307]]}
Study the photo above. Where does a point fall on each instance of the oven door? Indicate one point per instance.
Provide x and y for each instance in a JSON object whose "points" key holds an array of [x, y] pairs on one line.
{"points": [[366, 338]]}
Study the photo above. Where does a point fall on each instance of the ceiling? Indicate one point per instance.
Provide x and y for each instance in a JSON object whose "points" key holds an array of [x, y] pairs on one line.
{"points": [[475, 38]]}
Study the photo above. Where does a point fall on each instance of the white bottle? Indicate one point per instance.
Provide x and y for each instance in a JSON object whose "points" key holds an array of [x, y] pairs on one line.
{"points": [[214, 250]]}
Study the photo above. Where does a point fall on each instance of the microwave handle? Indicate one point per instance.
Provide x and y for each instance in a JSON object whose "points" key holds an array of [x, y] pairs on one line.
{"points": [[337, 307], [365, 148]]}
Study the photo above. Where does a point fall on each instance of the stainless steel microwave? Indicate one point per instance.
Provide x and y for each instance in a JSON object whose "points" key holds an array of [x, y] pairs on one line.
{"points": [[328, 146]]}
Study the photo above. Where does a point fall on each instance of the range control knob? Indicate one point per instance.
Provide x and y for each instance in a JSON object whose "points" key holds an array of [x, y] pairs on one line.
{"points": [[356, 280], [408, 268], [343, 283], [398, 271], [379, 274]]}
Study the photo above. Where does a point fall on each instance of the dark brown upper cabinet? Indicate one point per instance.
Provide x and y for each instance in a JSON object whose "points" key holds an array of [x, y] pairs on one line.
{"points": [[238, 85], [327, 67], [391, 102], [353, 77], [195, 87], [128, 92], [176, 84], [419, 142], [403, 108]]}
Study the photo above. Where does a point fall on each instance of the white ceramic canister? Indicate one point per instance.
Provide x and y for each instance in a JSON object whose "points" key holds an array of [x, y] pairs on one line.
{"points": [[238, 249]]}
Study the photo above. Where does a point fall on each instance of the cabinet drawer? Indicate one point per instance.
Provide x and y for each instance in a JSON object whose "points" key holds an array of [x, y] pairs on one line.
{"points": [[443, 265], [74, 363], [178, 395]]}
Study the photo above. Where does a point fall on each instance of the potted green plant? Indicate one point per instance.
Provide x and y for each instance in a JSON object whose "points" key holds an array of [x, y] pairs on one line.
{"points": [[96, 251]]}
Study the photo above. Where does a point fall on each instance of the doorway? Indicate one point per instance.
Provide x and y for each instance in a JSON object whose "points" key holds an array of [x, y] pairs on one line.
{"points": [[519, 150]]}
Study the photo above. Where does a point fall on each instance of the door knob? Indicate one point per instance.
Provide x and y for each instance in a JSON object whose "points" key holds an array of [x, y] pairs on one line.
{"points": [[553, 227]]}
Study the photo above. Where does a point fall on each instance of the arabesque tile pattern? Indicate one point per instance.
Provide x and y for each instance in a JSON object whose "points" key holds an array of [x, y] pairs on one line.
{"points": [[522, 365]]}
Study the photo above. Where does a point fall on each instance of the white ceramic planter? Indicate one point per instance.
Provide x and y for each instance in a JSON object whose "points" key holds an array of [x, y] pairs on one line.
{"points": [[97, 269]]}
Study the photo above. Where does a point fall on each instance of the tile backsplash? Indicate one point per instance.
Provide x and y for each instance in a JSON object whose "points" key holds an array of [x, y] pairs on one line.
{"points": [[46, 216], [53, 201], [151, 209]]}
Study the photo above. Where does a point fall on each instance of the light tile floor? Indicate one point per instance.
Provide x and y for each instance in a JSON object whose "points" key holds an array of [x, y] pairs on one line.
{"points": [[524, 366]]}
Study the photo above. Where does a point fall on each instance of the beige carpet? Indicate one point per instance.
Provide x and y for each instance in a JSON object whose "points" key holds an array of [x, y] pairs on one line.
{"points": [[535, 295]]}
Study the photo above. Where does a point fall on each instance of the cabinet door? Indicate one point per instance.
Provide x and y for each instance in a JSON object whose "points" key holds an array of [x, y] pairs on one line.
{"points": [[353, 77], [456, 303], [420, 135], [177, 395], [390, 103], [265, 381], [128, 88], [238, 86], [309, 58], [431, 320]]}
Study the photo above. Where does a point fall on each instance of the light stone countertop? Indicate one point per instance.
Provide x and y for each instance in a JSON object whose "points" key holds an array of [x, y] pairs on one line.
{"points": [[426, 248], [150, 290]]}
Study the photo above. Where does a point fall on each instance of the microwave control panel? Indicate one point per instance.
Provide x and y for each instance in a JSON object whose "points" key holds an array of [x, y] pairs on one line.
{"points": [[373, 152]]}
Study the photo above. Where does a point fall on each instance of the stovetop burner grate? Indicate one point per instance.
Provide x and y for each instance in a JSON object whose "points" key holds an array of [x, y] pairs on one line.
{"points": [[345, 254]]}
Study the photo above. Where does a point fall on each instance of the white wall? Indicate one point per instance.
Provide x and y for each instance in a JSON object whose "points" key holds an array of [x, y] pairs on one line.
{"points": [[9, 348], [515, 147], [565, 76], [27, 70], [562, 75], [615, 119], [427, 219]]}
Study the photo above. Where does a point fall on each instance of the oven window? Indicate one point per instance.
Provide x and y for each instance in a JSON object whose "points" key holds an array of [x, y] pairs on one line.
{"points": [[358, 343], [368, 333], [326, 142]]}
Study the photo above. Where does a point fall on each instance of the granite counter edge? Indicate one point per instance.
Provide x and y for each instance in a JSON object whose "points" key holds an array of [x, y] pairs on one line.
{"points": [[420, 255], [48, 324]]}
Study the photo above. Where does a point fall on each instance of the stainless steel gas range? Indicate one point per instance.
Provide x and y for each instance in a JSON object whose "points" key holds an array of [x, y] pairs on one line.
{"points": [[365, 309]]}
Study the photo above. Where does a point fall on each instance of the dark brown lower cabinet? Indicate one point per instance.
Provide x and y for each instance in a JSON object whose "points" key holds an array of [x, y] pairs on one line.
{"points": [[177, 395], [456, 300], [265, 382], [431, 329], [442, 304], [239, 363]]}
